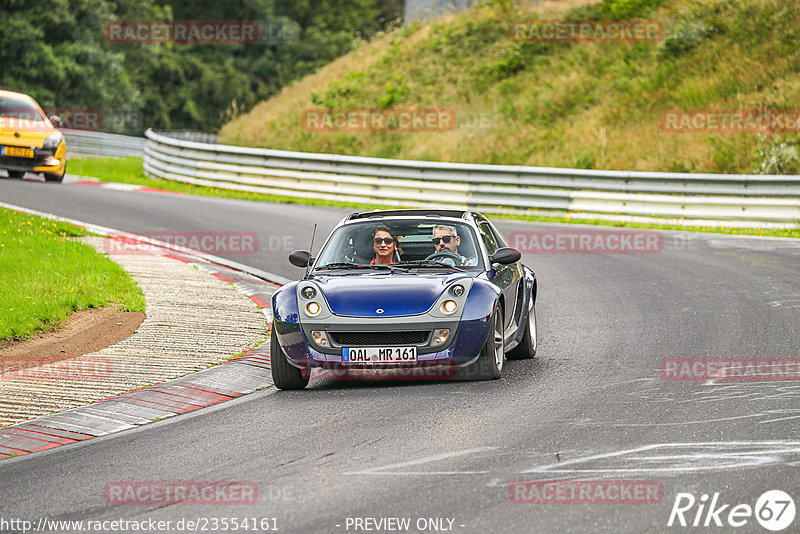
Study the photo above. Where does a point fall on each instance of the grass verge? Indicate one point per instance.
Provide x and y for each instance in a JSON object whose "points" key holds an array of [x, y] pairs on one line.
{"points": [[46, 275], [129, 171]]}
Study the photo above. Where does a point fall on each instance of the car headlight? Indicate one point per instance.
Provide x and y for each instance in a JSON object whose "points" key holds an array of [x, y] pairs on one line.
{"points": [[308, 292], [457, 290], [320, 338], [440, 336], [449, 307], [313, 309], [52, 141]]}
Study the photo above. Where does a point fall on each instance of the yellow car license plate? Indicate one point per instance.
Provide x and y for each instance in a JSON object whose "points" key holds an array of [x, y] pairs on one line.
{"points": [[17, 152]]}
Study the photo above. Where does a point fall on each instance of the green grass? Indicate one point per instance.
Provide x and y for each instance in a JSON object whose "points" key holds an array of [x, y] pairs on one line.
{"points": [[129, 171], [576, 219], [46, 275]]}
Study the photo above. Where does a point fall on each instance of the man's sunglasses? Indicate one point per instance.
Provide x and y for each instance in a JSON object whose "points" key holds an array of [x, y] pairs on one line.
{"points": [[445, 238], [384, 240]]}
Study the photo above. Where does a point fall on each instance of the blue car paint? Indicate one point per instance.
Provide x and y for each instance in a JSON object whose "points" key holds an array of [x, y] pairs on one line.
{"points": [[481, 301], [284, 304], [286, 324], [396, 294]]}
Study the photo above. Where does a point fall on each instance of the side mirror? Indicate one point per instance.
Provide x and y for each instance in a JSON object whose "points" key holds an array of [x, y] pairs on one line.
{"points": [[300, 258], [505, 255], [55, 120]]}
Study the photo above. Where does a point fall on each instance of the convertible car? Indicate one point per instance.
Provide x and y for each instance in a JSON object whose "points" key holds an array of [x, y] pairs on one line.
{"points": [[405, 288]]}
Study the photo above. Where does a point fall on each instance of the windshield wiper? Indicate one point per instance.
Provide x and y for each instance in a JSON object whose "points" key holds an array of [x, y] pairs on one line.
{"points": [[391, 266], [341, 265], [351, 265], [431, 263]]}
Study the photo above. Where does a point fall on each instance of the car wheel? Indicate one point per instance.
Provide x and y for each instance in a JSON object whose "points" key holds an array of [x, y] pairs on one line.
{"points": [[489, 365], [284, 374], [49, 177], [527, 347], [16, 174]]}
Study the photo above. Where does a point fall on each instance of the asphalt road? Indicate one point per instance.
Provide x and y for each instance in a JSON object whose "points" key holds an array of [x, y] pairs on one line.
{"points": [[592, 406]]}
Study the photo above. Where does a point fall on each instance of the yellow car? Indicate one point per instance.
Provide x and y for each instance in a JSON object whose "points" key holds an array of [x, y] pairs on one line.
{"points": [[29, 142]]}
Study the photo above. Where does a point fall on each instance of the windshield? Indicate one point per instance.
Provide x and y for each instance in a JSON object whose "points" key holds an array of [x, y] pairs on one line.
{"points": [[19, 108], [413, 244]]}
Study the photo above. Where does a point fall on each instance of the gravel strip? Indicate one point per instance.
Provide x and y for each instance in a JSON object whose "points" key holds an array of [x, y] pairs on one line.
{"points": [[193, 320]]}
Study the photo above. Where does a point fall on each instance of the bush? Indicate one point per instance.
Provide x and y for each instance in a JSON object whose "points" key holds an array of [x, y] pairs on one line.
{"points": [[683, 37], [616, 9], [777, 157], [341, 92]]}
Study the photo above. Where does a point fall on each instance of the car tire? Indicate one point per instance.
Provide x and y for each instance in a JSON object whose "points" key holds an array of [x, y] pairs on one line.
{"points": [[284, 374], [50, 177], [527, 347], [489, 365], [17, 175]]}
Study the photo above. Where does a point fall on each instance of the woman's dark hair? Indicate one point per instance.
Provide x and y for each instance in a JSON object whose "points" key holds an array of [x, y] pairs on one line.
{"points": [[384, 228]]}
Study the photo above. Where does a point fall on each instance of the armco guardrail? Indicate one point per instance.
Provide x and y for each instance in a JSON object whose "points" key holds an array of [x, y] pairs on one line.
{"points": [[82, 143], [750, 199]]}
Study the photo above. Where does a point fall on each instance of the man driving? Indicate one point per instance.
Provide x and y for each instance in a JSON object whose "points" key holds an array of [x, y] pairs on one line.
{"points": [[446, 240]]}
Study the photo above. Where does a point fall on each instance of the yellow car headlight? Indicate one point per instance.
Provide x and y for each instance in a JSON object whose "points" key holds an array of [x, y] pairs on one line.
{"points": [[52, 141], [313, 309], [448, 307]]}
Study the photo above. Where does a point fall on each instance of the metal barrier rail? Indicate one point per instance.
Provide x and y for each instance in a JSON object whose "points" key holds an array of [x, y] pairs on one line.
{"points": [[82, 143], [757, 200]]}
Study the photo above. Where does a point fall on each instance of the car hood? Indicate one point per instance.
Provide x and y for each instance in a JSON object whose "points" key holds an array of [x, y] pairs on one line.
{"points": [[14, 132], [396, 294]]}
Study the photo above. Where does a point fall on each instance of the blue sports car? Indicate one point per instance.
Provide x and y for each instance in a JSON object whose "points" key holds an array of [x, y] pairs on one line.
{"points": [[405, 289]]}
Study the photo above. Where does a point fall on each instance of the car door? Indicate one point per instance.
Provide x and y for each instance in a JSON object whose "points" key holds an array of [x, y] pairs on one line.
{"points": [[519, 278], [506, 277]]}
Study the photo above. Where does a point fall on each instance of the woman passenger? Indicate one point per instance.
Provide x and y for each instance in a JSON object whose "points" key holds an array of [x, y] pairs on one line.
{"points": [[384, 244]]}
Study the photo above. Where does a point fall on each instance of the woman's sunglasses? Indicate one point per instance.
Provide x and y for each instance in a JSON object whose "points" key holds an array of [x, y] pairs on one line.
{"points": [[384, 240], [445, 238]]}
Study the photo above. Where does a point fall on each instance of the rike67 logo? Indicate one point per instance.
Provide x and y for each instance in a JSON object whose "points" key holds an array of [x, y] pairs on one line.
{"points": [[774, 510]]}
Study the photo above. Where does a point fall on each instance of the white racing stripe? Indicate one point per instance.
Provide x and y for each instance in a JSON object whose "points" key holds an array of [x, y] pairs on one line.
{"points": [[391, 469]]}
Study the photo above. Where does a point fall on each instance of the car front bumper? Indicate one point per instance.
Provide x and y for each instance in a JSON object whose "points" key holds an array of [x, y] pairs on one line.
{"points": [[42, 161], [463, 348]]}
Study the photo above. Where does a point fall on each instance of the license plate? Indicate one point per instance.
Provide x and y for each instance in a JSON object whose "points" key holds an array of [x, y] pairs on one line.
{"points": [[379, 355], [17, 152]]}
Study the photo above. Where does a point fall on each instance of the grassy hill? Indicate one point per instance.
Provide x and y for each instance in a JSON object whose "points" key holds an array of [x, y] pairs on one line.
{"points": [[585, 105]]}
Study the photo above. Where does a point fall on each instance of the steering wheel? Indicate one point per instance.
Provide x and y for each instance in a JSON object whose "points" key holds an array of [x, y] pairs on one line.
{"points": [[436, 256]]}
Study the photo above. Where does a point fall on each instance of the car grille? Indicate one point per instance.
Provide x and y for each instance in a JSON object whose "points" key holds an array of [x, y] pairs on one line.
{"points": [[365, 339], [37, 161]]}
